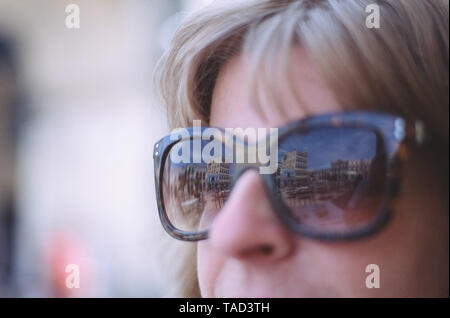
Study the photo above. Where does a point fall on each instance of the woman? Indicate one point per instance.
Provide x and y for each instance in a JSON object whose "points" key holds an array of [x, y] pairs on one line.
{"points": [[254, 64]]}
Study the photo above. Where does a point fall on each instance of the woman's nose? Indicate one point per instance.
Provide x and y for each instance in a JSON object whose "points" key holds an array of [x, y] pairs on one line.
{"points": [[247, 226]]}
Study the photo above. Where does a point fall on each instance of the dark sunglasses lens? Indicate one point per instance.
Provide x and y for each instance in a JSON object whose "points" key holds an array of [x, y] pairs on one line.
{"points": [[193, 190], [332, 179]]}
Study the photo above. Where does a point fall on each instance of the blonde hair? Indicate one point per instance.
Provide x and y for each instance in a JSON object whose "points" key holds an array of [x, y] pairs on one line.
{"points": [[401, 67]]}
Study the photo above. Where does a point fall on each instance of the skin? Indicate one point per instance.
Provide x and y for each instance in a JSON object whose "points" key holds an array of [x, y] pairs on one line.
{"points": [[251, 254]]}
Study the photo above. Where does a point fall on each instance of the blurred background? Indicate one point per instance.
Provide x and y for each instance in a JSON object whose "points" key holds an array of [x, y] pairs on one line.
{"points": [[77, 127]]}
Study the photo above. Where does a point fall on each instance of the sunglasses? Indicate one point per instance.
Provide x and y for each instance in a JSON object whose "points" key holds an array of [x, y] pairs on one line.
{"points": [[336, 175]]}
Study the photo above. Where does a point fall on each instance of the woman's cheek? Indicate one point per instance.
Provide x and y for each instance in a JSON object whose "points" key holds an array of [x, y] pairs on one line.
{"points": [[208, 268]]}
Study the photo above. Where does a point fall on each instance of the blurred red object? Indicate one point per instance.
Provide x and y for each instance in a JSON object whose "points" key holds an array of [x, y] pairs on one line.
{"points": [[71, 270]]}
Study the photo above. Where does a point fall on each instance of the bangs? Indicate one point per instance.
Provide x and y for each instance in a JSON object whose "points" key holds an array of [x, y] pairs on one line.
{"points": [[400, 68], [339, 46]]}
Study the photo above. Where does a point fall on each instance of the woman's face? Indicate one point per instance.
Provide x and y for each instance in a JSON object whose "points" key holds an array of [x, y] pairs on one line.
{"points": [[251, 254]]}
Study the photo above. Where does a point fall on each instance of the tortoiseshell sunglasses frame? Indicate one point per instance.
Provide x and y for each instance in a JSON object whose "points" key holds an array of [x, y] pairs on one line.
{"points": [[386, 126]]}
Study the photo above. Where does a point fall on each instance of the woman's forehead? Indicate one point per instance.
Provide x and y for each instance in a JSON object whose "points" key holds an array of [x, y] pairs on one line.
{"points": [[292, 94]]}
